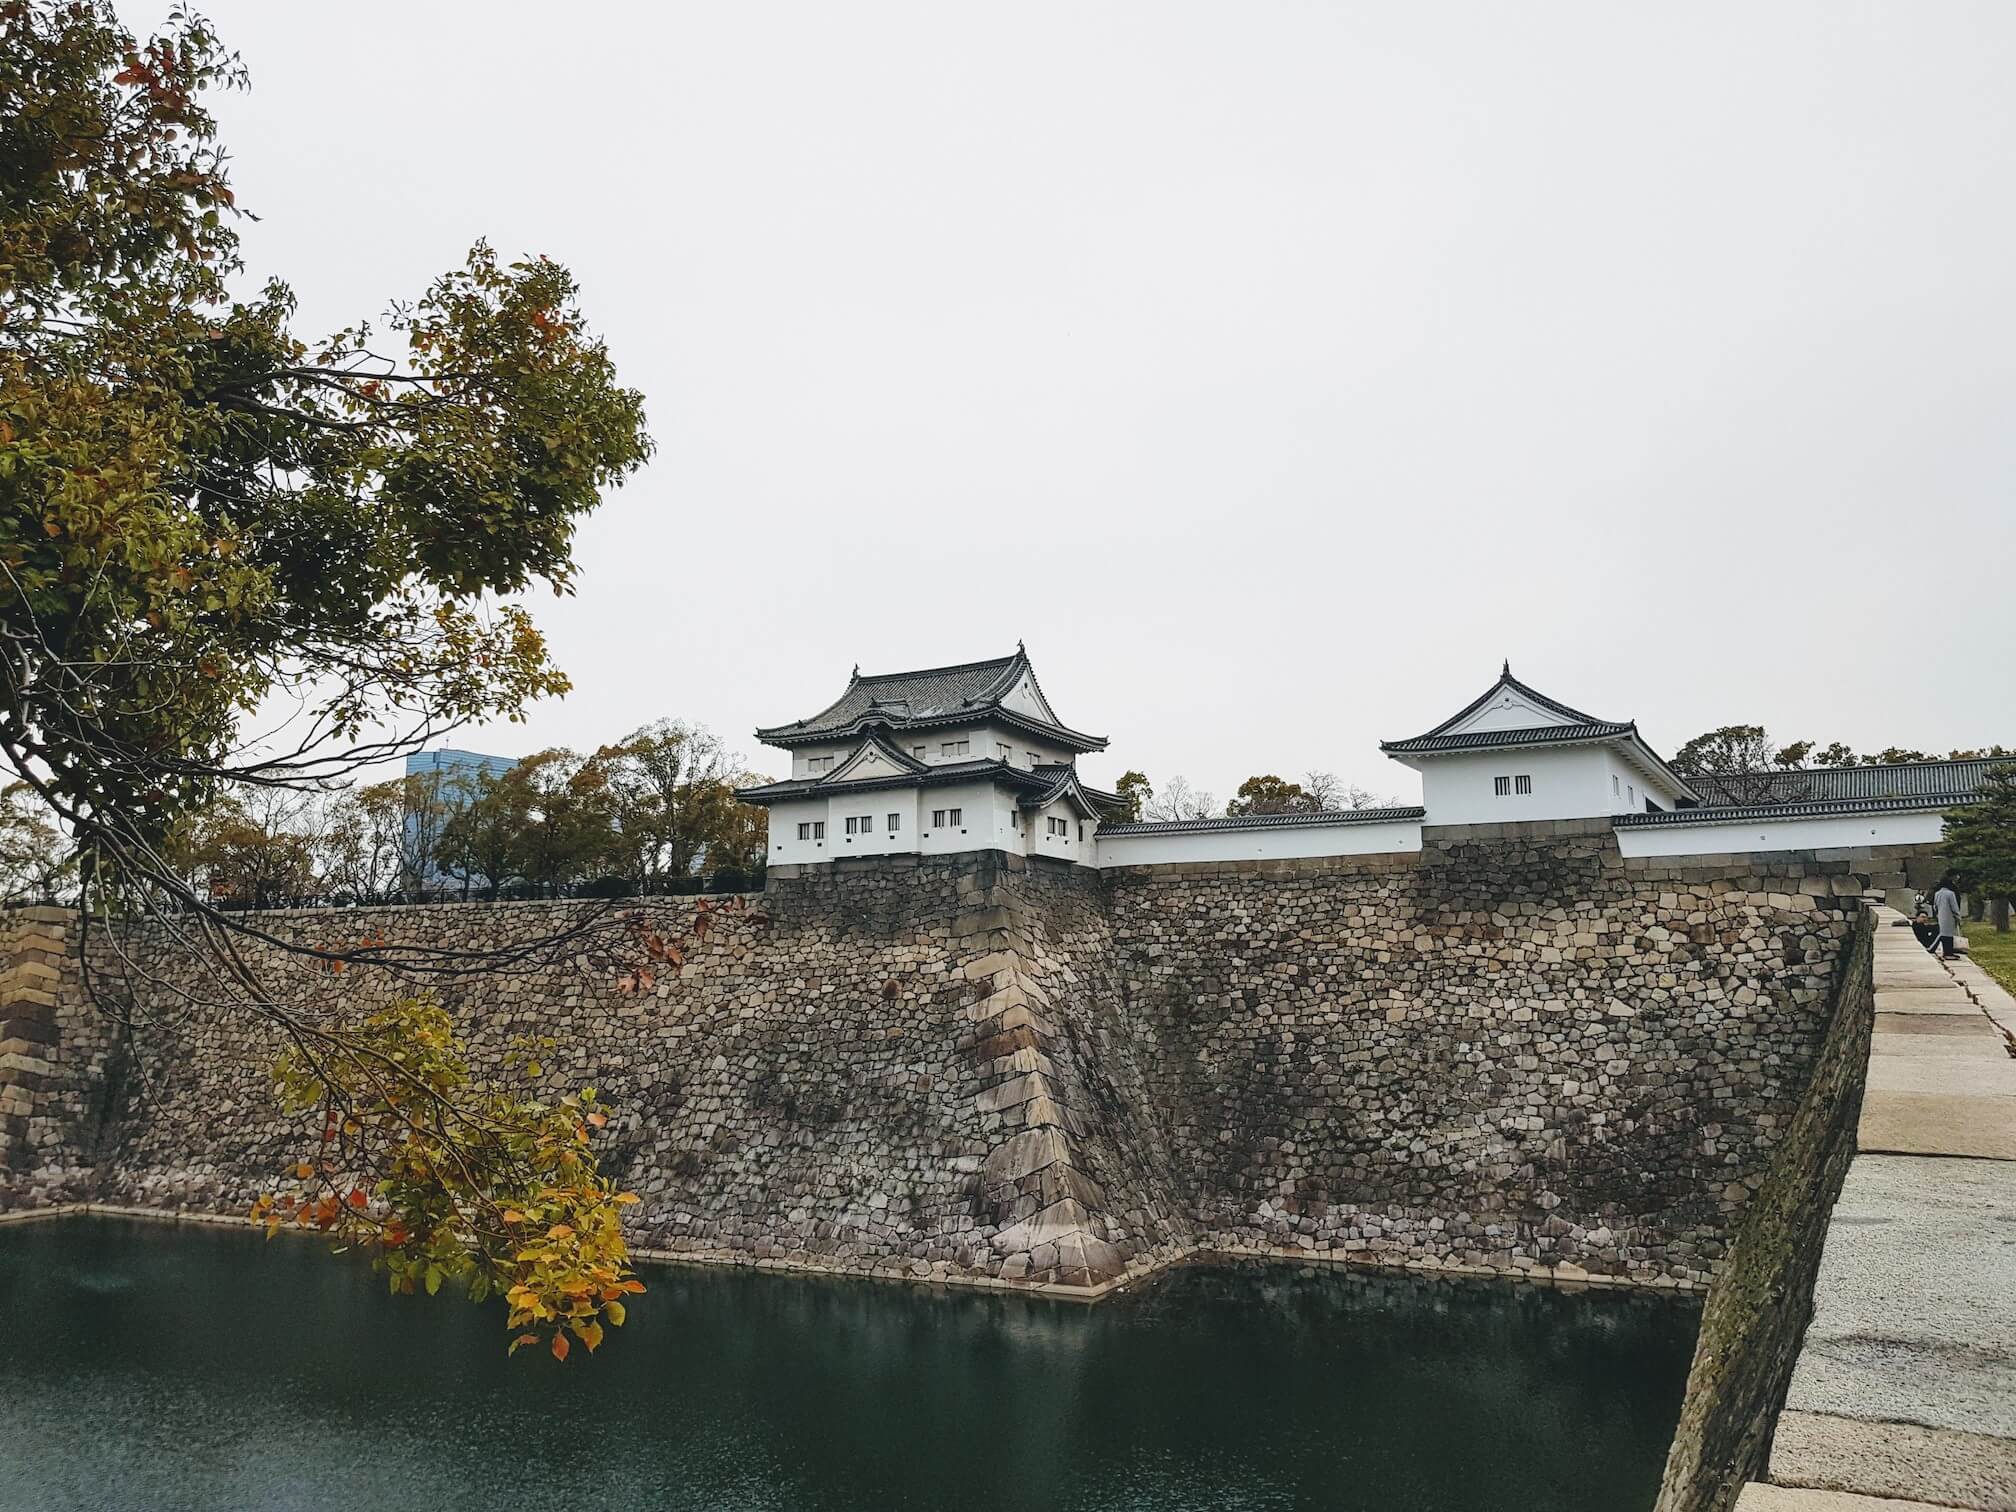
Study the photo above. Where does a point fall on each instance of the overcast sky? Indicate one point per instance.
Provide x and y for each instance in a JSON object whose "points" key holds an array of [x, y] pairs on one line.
{"points": [[1274, 370]]}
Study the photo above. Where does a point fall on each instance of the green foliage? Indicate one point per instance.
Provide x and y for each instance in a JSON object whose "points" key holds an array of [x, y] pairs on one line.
{"points": [[1272, 795], [1135, 791], [200, 509], [446, 1180], [1981, 838]]}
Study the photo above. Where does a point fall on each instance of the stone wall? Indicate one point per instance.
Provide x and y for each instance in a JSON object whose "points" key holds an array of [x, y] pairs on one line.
{"points": [[1763, 1297], [1513, 1052]]}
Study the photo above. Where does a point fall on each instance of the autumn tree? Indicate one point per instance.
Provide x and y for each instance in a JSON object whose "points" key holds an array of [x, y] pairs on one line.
{"points": [[1981, 842], [204, 512]]}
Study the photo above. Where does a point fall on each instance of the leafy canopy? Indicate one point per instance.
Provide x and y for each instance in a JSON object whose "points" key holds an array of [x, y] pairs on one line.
{"points": [[202, 511], [201, 508]]}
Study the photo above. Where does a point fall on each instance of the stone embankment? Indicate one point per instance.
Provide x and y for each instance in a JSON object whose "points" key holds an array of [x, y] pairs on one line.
{"points": [[1515, 1052], [1904, 1394]]}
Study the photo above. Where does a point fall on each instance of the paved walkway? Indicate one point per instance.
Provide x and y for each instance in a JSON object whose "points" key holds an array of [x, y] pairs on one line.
{"points": [[1905, 1391]]}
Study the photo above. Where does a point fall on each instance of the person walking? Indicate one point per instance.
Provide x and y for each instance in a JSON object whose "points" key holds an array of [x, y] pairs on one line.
{"points": [[1946, 915]]}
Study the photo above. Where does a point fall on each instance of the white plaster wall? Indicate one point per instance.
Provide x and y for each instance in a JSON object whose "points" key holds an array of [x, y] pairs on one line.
{"points": [[1277, 843], [801, 758], [877, 806], [1508, 711], [1569, 782], [785, 846], [1067, 846], [1830, 832], [979, 827]]}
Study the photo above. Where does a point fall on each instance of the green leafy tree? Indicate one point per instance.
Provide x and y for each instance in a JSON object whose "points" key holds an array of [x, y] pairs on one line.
{"points": [[204, 511], [1272, 795], [566, 830], [1135, 791], [1981, 841]]}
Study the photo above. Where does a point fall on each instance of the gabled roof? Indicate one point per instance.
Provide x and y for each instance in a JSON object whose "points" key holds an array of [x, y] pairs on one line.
{"points": [[1090, 803], [933, 697], [1548, 722]]}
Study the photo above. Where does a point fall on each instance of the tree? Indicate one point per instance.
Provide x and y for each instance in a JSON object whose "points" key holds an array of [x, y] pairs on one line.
{"points": [[565, 811], [482, 842], [1981, 841], [257, 849], [1271, 795], [203, 512], [666, 782], [37, 861], [427, 802], [1738, 758], [1136, 792], [360, 843], [1330, 794], [1180, 801]]}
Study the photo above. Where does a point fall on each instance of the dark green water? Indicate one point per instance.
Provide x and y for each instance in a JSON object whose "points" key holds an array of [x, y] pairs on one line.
{"points": [[152, 1368]]}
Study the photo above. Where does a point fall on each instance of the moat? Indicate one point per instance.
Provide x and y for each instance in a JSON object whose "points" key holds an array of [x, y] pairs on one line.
{"points": [[143, 1366]]}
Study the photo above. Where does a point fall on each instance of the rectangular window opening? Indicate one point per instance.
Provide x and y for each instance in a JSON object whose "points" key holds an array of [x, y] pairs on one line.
{"points": [[1501, 785], [1522, 784]]}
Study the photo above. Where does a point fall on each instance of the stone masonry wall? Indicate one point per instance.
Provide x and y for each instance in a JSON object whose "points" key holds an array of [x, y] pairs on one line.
{"points": [[1763, 1297], [1513, 1052]]}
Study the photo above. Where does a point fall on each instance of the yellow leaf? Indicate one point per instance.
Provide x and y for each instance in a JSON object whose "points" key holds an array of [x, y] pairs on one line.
{"points": [[615, 1313], [591, 1335]]}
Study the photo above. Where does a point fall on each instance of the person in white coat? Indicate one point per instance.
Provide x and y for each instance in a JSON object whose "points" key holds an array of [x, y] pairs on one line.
{"points": [[1946, 914]]}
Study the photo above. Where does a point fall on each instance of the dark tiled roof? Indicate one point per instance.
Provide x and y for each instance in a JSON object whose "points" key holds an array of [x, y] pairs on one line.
{"points": [[1063, 778], [1953, 780], [932, 696], [1263, 821], [1477, 740], [1505, 680], [934, 776], [1580, 726], [1741, 813]]}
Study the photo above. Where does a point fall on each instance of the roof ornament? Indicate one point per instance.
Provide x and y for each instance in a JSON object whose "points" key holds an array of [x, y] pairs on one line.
{"points": [[856, 674], [1506, 670]]}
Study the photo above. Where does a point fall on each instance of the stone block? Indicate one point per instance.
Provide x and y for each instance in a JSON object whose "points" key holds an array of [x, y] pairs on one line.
{"points": [[1901, 1461]]}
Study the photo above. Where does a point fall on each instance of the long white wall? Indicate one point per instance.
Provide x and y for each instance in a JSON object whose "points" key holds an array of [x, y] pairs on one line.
{"points": [[1279, 842]]}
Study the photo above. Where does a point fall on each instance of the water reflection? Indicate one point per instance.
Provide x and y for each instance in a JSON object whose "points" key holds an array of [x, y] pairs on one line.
{"points": [[148, 1368]]}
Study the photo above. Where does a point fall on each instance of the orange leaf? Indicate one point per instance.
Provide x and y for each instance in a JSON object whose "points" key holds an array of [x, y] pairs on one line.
{"points": [[560, 1346], [598, 1119], [357, 1199]]}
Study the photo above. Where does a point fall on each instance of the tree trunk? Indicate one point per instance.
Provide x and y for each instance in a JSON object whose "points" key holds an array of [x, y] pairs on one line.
{"points": [[1998, 910]]}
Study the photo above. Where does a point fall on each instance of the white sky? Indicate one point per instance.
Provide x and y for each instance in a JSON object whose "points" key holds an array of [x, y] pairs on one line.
{"points": [[1273, 369]]}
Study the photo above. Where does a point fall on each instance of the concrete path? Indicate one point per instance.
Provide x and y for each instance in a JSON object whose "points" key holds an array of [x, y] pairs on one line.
{"points": [[1905, 1391]]}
